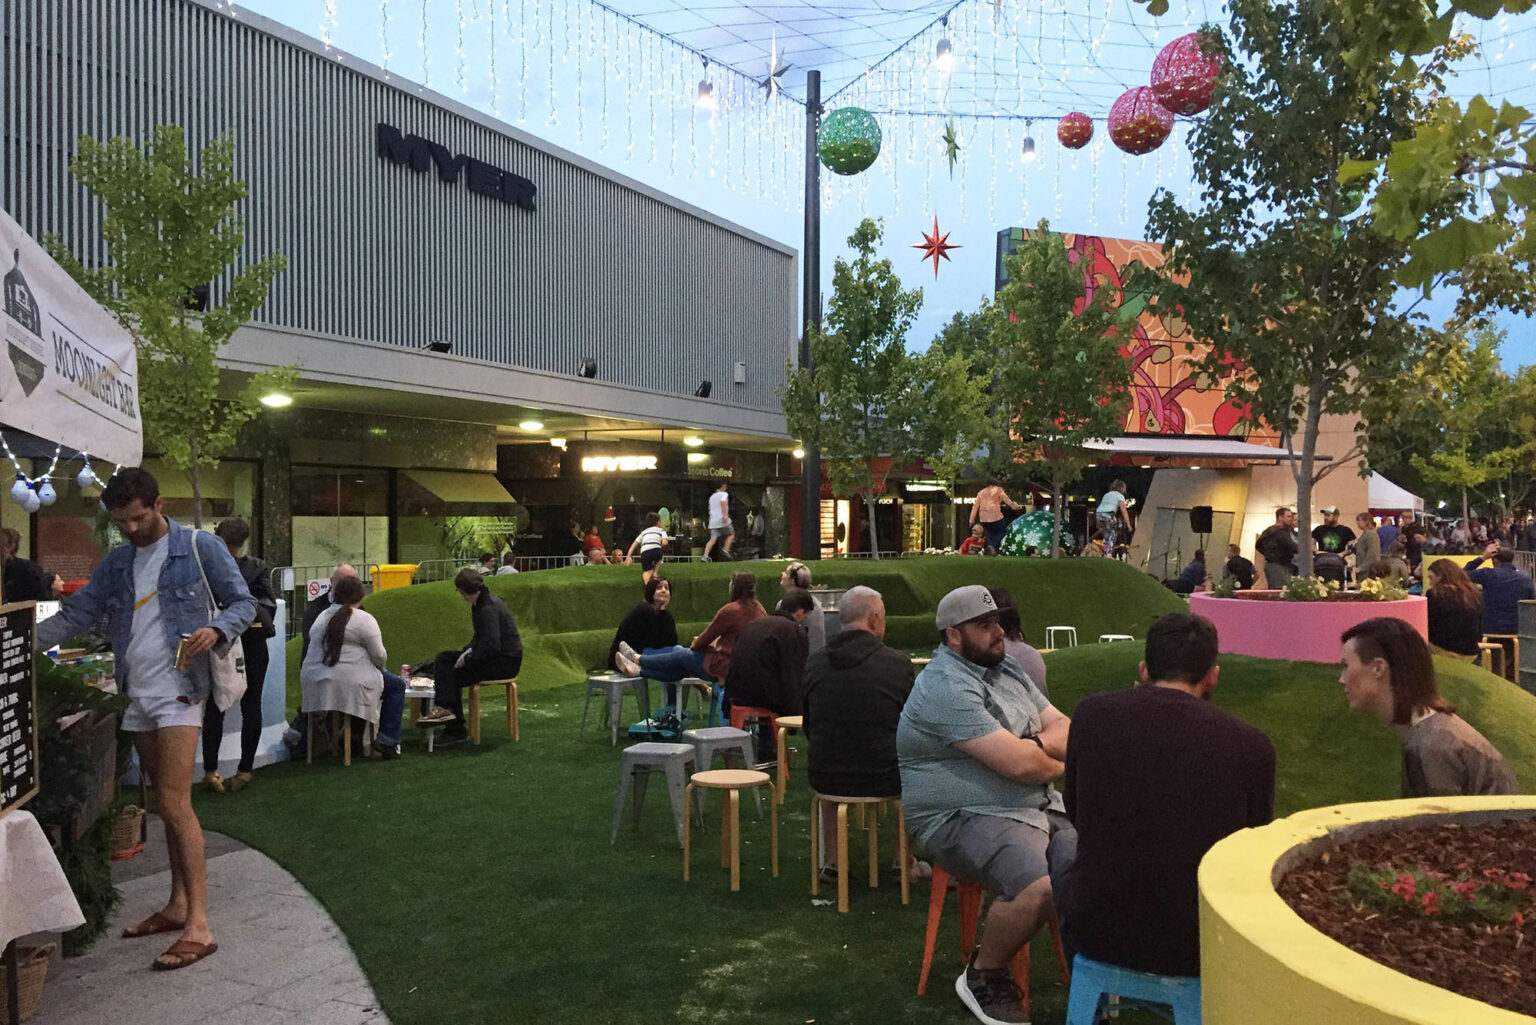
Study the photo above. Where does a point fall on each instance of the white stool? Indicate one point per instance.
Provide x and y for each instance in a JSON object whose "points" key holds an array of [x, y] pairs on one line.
{"points": [[1111, 638], [1068, 631]]}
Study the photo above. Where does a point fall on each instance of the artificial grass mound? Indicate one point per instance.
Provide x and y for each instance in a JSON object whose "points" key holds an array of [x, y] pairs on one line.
{"points": [[477, 885], [567, 616]]}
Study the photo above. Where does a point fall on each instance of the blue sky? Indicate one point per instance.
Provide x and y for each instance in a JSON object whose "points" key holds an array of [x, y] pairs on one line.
{"points": [[588, 81]]}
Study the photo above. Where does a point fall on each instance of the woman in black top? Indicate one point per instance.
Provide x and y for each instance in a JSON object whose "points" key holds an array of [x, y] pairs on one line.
{"points": [[494, 653], [253, 643], [1455, 609], [649, 624]]}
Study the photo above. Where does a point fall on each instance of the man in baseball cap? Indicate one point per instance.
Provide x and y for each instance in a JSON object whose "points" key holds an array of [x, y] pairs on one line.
{"points": [[1332, 537], [979, 746]]}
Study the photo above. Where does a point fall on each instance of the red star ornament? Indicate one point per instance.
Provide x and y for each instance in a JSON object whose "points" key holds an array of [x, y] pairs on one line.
{"points": [[936, 245]]}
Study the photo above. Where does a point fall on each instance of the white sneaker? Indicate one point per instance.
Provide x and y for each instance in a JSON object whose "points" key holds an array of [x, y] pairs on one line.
{"points": [[626, 665], [629, 652]]}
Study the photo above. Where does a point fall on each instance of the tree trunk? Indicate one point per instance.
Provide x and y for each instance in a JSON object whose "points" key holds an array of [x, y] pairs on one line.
{"points": [[194, 475], [1465, 517], [1304, 478], [874, 541], [1056, 490]]}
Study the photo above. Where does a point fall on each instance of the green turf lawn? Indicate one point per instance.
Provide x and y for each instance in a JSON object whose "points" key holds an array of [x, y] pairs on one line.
{"points": [[477, 884]]}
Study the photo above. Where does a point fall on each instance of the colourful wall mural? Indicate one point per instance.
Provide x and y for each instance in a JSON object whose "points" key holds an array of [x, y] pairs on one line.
{"points": [[1168, 393]]}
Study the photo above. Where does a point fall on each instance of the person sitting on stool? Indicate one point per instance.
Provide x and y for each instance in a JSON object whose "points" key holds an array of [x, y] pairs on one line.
{"points": [[767, 667], [494, 653]]}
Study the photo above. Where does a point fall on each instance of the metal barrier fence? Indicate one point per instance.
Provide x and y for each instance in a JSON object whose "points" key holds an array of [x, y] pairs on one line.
{"points": [[1526, 563]]}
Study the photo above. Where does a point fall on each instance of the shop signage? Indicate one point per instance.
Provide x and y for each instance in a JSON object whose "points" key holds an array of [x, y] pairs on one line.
{"points": [[421, 154], [711, 471], [617, 464], [18, 707]]}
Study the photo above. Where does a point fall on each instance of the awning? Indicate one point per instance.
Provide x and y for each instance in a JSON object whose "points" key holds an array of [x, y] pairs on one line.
{"points": [[456, 487], [1381, 493], [1191, 448]]}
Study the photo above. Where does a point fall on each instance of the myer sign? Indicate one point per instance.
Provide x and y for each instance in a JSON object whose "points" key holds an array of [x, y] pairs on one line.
{"points": [[617, 464], [420, 155]]}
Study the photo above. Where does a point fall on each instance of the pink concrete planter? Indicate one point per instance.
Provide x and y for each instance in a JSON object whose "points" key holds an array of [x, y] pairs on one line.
{"points": [[1301, 631]]}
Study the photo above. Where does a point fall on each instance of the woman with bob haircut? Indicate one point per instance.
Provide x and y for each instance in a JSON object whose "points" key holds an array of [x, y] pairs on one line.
{"points": [[1387, 671], [709, 656]]}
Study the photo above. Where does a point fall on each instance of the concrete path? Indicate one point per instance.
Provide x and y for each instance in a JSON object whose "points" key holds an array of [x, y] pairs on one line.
{"points": [[280, 959]]}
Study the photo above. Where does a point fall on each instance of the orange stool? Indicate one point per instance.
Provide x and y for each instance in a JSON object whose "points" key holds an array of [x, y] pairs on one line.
{"points": [[970, 913], [743, 714]]}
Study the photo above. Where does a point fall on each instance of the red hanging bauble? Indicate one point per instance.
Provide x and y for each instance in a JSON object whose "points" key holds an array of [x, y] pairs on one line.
{"points": [[1075, 130], [1183, 77], [1137, 122]]}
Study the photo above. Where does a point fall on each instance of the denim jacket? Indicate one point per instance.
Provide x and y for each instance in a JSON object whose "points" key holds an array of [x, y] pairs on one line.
{"points": [[109, 596]]}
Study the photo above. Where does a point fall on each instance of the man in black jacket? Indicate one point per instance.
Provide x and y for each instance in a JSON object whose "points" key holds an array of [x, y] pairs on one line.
{"points": [[768, 664], [1278, 546], [494, 653], [855, 688]]}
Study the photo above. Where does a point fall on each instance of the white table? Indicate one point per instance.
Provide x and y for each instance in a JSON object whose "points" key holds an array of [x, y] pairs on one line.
{"points": [[426, 695], [37, 896]]}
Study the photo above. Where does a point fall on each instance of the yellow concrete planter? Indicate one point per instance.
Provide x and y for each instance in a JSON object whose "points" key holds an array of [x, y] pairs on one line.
{"points": [[1260, 964]]}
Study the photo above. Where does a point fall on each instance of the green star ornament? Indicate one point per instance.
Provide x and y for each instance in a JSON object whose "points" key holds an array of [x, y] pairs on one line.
{"points": [[951, 146]]}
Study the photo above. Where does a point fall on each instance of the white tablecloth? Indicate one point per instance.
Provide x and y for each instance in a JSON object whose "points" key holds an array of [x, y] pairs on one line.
{"points": [[34, 895]]}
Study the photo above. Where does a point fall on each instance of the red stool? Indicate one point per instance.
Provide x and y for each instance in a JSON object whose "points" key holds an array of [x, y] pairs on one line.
{"points": [[743, 714], [970, 913]]}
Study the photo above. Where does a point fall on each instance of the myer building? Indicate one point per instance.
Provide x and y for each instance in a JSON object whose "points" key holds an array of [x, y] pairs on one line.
{"points": [[493, 335]]}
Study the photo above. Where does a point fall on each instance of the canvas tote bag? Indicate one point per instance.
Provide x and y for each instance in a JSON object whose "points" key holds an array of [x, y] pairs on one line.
{"points": [[226, 662]]}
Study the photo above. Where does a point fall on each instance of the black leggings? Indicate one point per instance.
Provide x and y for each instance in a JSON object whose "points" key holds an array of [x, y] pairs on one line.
{"points": [[256, 660]]}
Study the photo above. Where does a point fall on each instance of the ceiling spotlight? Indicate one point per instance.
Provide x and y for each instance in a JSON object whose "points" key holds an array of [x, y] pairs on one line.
{"points": [[698, 457], [532, 425], [439, 346], [704, 388], [276, 400], [693, 441], [588, 368], [1194, 467], [1029, 149], [798, 453], [558, 443], [706, 99], [944, 53]]}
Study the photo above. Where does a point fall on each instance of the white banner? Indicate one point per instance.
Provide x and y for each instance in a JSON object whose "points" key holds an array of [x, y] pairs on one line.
{"points": [[69, 372]]}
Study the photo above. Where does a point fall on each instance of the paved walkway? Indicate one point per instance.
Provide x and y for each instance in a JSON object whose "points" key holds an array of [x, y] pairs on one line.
{"points": [[280, 959]]}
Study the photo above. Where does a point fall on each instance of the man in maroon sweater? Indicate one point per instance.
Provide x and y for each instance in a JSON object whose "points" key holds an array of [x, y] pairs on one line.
{"points": [[1155, 776]]}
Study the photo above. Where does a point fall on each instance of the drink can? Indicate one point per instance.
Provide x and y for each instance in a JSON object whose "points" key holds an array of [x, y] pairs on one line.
{"points": [[183, 659], [405, 672]]}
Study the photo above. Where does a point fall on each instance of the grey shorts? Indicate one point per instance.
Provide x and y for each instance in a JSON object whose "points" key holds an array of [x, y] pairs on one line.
{"points": [[725, 531], [1003, 855]]}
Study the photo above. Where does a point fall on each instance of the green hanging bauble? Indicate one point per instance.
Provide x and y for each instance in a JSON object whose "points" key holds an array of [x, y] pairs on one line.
{"points": [[848, 140]]}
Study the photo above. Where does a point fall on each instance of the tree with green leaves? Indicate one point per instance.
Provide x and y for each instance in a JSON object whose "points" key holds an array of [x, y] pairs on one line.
{"points": [[1275, 265], [862, 405], [1062, 373], [957, 428], [171, 231]]}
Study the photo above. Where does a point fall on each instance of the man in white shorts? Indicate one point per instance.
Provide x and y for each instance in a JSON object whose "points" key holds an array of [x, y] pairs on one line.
{"points": [[720, 522], [152, 596]]}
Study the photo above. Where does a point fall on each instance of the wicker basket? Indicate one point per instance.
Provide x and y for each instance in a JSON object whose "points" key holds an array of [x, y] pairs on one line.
{"points": [[31, 972], [128, 834]]}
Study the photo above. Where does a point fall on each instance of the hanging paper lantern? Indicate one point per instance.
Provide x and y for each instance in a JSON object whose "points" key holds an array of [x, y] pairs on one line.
{"points": [[30, 502], [1183, 77], [46, 495], [1075, 130], [848, 140], [1137, 122], [20, 490], [85, 478]]}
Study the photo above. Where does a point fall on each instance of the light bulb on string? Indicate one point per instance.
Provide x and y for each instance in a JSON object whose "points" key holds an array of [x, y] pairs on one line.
{"points": [[20, 490], [86, 477], [706, 100], [46, 495], [30, 503], [944, 51]]}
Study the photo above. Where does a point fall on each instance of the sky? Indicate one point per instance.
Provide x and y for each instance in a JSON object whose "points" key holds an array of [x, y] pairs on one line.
{"points": [[587, 80]]}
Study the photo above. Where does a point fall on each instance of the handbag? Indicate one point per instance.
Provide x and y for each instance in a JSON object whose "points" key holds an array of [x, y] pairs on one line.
{"points": [[226, 662], [265, 623]]}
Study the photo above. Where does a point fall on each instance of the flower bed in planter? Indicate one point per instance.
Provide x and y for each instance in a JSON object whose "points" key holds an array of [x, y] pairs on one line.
{"points": [[1262, 963], [1262, 624]]}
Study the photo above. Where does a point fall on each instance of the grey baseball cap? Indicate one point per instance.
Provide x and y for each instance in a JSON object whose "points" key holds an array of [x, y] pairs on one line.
{"points": [[964, 604]]}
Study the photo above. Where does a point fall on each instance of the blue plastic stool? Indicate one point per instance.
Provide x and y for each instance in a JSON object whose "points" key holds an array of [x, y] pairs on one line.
{"points": [[1092, 980]]}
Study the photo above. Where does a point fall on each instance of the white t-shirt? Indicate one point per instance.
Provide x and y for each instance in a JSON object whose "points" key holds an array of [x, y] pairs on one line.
{"points": [[652, 537], [719, 510], [150, 662]]}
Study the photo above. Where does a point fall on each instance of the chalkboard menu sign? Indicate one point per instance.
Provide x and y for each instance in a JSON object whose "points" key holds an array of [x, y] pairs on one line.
{"points": [[18, 707]]}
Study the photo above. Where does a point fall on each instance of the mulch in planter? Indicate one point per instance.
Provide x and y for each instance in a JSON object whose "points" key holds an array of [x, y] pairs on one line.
{"points": [[1492, 963]]}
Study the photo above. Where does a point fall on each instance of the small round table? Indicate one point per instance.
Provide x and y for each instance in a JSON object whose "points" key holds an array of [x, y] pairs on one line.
{"points": [[732, 781], [426, 696]]}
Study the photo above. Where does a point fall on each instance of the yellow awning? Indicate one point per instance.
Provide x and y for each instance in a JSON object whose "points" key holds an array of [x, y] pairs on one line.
{"points": [[455, 486]]}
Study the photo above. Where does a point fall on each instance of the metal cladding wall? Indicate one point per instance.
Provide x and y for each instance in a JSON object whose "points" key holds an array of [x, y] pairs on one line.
{"points": [[660, 294]]}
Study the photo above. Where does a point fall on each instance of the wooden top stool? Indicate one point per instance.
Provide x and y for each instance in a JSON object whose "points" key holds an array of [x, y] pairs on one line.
{"points": [[474, 707], [872, 827], [732, 781], [786, 723]]}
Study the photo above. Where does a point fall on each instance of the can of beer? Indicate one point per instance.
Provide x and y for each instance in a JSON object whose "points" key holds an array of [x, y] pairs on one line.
{"points": [[183, 657]]}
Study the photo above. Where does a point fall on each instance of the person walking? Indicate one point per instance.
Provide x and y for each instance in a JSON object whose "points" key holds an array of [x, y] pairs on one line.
{"points": [[652, 544], [168, 597], [988, 513], [720, 527], [253, 643]]}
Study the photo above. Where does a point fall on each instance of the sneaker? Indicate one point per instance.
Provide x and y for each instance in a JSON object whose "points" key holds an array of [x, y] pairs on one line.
{"points": [[992, 996], [388, 752], [629, 652], [436, 717], [829, 874], [626, 665], [450, 739], [704, 558]]}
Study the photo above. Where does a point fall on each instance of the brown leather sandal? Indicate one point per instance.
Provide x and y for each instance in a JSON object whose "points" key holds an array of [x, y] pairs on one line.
{"points": [[186, 952], [155, 923]]}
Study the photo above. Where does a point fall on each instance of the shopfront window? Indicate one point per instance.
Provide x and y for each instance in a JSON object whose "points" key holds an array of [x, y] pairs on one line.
{"points": [[340, 515]]}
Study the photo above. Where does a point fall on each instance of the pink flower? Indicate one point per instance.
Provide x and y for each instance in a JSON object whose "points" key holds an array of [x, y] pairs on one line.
{"points": [[1518, 919], [1463, 867], [1405, 878], [1431, 903], [1517, 880], [1467, 888], [1493, 873]]}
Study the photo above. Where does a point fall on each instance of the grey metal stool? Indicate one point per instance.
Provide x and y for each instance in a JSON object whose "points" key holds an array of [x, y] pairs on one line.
{"points": [[725, 741], [635, 770], [614, 685]]}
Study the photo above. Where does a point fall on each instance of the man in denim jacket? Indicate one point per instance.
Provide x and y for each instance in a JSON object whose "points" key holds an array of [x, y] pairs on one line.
{"points": [[150, 592]]}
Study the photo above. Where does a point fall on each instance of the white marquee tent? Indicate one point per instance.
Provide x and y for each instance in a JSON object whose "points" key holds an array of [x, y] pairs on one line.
{"points": [[1383, 495]]}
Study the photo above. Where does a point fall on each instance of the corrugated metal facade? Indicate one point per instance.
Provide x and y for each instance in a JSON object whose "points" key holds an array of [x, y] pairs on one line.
{"points": [[658, 294]]}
